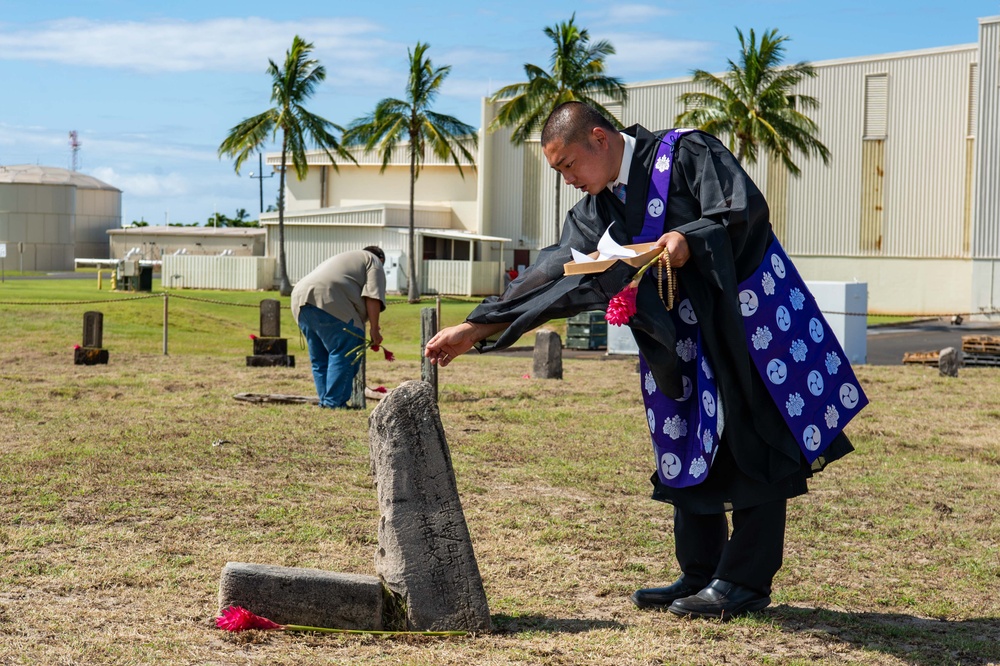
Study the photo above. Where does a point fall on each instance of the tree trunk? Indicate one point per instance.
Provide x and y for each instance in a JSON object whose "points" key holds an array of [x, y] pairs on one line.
{"points": [[284, 284], [413, 294], [741, 150]]}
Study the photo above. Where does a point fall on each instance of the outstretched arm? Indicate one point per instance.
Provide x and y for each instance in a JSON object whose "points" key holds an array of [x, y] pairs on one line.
{"points": [[456, 340]]}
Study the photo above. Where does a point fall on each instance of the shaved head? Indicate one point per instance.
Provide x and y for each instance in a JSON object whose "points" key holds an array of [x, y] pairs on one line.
{"points": [[573, 122]]}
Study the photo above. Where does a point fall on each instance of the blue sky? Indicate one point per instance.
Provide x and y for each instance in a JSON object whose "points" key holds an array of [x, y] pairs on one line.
{"points": [[152, 89]]}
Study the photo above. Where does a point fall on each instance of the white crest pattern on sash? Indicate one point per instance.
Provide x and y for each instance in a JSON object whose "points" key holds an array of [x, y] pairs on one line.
{"points": [[832, 363], [762, 338], [704, 368], [662, 163], [767, 284], [795, 404], [687, 349], [797, 298], [698, 466], [649, 383], [675, 427], [832, 416], [798, 350]]}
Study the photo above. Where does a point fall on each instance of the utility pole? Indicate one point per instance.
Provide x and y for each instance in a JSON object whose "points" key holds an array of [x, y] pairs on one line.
{"points": [[260, 177]]}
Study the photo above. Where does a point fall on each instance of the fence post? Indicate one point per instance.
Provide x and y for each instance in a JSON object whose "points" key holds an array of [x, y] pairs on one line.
{"points": [[428, 327], [166, 298]]}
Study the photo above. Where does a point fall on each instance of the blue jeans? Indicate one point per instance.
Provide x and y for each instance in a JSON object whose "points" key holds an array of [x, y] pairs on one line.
{"points": [[330, 342]]}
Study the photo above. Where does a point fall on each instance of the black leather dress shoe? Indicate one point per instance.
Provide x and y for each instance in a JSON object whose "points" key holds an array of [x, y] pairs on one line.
{"points": [[721, 600], [662, 597]]}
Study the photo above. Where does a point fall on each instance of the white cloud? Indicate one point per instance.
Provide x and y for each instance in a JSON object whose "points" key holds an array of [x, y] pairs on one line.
{"points": [[635, 14], [146, 185], [639, 54], [223, 44]]}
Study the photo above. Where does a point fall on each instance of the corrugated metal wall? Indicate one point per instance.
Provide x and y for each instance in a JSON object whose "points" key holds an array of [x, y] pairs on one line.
{"points": [[240, 273], [924, 163], [459, 278], [986, 228]]}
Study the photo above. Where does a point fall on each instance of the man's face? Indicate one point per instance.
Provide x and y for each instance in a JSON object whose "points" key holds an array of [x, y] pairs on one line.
{"points": [[584, 165]]}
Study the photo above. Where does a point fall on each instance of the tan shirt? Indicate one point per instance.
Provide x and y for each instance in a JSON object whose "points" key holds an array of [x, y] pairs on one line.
{"points": [[339, 285]]}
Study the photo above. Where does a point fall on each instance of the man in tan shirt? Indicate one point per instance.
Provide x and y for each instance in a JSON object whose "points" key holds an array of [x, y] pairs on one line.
{"points": [[331, 305]]}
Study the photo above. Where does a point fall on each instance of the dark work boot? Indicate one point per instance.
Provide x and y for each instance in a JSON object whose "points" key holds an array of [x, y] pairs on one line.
{"points": [[662, 597]]}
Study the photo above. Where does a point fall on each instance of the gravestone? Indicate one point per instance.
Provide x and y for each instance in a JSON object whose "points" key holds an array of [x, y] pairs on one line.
{"points": [[91, 352], [425, 556], [270, 349], [270, 318], [949, 361], [547, 359], [310, 597], [428, 329]]}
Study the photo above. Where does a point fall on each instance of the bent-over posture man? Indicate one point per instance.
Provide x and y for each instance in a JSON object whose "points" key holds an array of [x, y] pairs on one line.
{"points": [[331, 305], [713, 221]]}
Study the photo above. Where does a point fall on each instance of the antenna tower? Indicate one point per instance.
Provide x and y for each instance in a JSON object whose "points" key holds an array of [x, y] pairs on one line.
{"points": [[74, 145]]}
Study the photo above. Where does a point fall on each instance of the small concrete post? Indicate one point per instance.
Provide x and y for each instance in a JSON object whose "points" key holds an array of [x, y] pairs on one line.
{"points": [[949, 361], [428, 329], [547, 360]]}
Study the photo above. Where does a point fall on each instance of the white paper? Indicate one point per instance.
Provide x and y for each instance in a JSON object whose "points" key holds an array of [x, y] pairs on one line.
{"points": [[607, 249]]}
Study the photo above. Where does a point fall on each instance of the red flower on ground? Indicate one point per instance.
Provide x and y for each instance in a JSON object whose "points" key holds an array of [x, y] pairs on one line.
{"points": [[75, 347], [622, 307], [236, 618], [253, 337], [380, 389]]}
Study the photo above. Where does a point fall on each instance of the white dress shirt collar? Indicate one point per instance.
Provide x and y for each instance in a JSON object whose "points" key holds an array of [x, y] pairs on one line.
{"points": [[626, 161]]}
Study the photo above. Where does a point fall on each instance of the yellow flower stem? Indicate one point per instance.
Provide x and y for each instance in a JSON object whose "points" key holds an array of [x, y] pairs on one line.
{"points": [[325, 630]]}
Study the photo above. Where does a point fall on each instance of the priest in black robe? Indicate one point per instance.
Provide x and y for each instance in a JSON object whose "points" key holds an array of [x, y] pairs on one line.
{"points": [[716, 231]]}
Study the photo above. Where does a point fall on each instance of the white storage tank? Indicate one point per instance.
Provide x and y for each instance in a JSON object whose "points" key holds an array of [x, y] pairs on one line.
{"points": [[49, 216]]}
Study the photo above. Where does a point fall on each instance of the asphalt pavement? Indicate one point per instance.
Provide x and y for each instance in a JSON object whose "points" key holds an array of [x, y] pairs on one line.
{"points": [[888, 344]]}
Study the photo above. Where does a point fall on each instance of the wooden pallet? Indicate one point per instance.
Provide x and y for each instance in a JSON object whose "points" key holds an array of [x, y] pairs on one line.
{"points": [[980, 359], [989, 344], [921, 358]]}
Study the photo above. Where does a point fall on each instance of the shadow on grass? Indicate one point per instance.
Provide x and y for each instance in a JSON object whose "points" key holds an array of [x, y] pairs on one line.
{"points": [[914, 640], [514, 624]]}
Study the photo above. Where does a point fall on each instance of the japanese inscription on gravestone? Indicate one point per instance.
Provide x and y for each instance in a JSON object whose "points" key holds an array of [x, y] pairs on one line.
{"points": [[425, 556]]}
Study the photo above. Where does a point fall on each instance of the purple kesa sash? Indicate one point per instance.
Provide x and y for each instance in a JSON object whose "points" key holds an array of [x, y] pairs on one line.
{"points": [[685, 431], [797, 355], [659, 188], [791, 345]]}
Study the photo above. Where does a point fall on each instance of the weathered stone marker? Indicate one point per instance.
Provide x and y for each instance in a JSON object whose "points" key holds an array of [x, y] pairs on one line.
{"points": [[425, 555], [270, 318], [547, 358], [91, 353], [270, 349], [949, 361], [311, 597], [428, 329]]}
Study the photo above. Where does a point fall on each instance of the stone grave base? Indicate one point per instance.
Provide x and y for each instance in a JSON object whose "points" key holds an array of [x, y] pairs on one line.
{"points": [[310, 597], [90, 356], [270, 361]]}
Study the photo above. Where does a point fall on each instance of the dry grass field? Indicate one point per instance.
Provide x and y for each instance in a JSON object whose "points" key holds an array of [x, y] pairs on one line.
{"points": [[125, 488]]}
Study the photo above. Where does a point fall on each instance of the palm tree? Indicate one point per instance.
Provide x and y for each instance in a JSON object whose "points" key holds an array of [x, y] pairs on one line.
{"points": [[291, 86], [411, 118], [577, 75], [753, 105]]}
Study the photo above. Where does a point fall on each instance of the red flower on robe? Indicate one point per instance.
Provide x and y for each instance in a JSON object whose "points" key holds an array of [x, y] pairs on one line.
{"points": [[622, 306]]}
